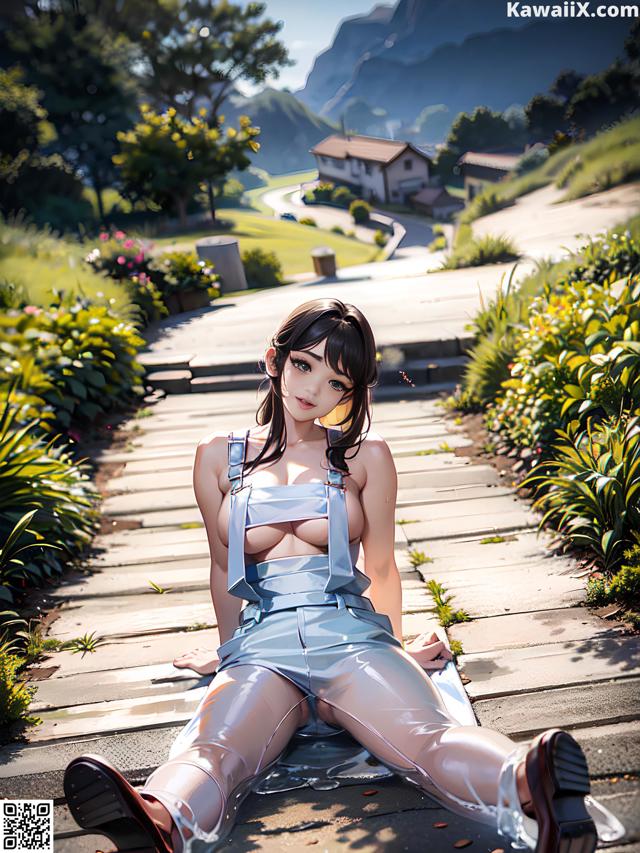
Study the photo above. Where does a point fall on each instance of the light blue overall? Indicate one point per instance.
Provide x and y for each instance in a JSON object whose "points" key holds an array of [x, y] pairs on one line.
{"points": [[308, 634]]}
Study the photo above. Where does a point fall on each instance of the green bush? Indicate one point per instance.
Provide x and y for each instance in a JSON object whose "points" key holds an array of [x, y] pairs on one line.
{"points": [[308, 220], [78, 361], [337, 229], [380, 238], [360, 211], [624, 586], [15, 694], [177, 271], [589, 491], [472, 251], [48, 501], [342, 196], [439, 244], [262, 269], [577, 358], [323, 192]]}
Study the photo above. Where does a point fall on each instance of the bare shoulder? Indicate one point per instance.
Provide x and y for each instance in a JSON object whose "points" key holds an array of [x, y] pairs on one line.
{"points": [[375, 456], [374, 448], [211, 452]]}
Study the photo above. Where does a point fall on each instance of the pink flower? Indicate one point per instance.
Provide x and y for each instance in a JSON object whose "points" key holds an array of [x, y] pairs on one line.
{"points": [[143, 276], [120, 235], [31, 309], [130, 264], [104, 236], [121, 259], [139, 258], [128, 243]]}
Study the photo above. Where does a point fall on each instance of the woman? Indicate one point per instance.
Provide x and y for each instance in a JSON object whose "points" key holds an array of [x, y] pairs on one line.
{"points": [[308, 645]]}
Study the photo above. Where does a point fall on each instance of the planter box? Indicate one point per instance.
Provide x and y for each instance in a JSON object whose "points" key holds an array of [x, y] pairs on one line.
{"points": [[193, 298]]}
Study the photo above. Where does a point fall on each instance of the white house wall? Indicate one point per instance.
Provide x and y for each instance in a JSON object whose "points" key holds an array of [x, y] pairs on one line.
{"points": [[403, 181], [352, 171]]}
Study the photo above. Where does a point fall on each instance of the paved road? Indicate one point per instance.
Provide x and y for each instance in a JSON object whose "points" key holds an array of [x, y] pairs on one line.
{"points": [[414, 244]]}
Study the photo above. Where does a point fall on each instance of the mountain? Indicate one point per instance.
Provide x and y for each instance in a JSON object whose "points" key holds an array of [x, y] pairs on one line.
{"points": [[420, 52], [288, 129], [404, 33], [497, 68], [355, 37]]}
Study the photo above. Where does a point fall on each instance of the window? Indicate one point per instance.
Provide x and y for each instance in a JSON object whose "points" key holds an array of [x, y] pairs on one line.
{"points": [[367, 168], [408, 165]]}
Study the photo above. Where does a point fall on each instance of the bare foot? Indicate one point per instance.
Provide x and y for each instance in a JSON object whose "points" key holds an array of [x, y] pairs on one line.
{"points": [[200, 660]]}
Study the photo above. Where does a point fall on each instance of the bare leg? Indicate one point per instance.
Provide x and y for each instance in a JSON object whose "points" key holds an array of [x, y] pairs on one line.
{"points": [[241, 726]]}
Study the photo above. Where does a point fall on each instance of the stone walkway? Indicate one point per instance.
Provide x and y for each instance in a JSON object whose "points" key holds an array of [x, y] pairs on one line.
{"points": [[534, 656]]}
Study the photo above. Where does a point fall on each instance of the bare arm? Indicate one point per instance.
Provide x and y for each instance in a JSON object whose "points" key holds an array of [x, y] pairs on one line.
{"points": [[210, 456], [378, 498]]}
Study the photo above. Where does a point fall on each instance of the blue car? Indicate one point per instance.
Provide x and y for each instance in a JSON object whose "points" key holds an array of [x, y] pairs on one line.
{"points": [[289, 216]]}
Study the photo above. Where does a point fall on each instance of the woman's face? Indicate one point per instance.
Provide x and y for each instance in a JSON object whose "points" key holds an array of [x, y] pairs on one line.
{"points": [[307, 377]]}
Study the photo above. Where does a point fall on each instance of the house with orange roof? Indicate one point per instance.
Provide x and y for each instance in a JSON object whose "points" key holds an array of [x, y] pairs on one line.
{"points": [[375, 169]]}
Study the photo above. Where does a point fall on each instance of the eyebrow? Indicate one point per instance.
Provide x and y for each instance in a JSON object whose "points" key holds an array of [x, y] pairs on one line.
{"points": [[317, 358]]}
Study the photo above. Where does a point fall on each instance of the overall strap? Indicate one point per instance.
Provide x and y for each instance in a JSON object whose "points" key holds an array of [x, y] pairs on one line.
{"points": [[335, 476], [340, 564], [237, 451], [236, 578]]}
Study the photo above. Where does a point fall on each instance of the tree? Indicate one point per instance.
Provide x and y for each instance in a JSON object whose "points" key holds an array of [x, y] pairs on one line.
{"points": [[545, 116], [483, 130], [206, 49], [566, 84], [218, 155], [605, 98], [164, 158], [88, 87]]}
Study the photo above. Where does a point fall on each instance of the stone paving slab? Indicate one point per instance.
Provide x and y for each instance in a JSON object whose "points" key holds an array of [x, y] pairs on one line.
{"points": [[185, 544], [562, 625], [163, 647], [519, 670], [442, 481], [173, 460], [568, 707], [129, 615], [484, 594], [180, 430], [129, 682], [132, 652]]}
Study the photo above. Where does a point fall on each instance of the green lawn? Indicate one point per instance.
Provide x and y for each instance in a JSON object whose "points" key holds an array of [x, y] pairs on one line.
{"points": [[291, 242]]}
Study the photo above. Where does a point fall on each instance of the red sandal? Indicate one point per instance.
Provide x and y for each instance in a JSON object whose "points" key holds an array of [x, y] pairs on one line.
{"points": [[101, 800]]}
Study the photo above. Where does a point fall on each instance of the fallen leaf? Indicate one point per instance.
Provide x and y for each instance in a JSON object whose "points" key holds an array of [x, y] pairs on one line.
{"points": [[498, 850], [462, 842], [369, 793], [440, 825], [315, 841]]}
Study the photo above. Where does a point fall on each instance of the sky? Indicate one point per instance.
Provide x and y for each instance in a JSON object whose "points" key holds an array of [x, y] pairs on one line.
{"points": [[309, 28]]}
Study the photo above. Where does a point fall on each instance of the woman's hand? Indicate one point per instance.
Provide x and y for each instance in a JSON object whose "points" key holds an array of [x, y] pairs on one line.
{"points": [[430, 652], [201, 660]]}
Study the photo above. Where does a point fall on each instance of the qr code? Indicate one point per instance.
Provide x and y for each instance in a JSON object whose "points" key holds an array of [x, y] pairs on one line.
{"points": [[26, 826]]}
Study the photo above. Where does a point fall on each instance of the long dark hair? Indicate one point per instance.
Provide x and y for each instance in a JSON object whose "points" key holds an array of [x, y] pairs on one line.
{"points": [[349, 339]]}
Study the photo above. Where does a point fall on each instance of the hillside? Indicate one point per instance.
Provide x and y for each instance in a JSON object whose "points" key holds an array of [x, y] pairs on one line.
{"points": [[288, 129]]}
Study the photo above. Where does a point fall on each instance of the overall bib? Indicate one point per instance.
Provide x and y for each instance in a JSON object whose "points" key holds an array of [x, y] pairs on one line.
{"points": [[307, 634]]}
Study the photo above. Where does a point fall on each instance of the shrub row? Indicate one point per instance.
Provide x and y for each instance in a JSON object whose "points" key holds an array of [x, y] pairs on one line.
{"points": [[556, 370]]}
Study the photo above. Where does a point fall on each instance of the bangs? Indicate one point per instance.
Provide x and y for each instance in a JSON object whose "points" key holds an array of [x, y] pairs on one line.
{"points": [[344, 345]]}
